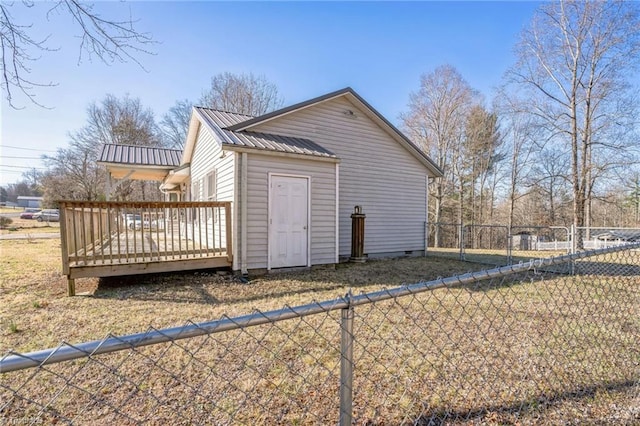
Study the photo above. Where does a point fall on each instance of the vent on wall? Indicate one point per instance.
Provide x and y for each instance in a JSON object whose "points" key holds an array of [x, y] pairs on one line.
{"points": [[349, 113]]}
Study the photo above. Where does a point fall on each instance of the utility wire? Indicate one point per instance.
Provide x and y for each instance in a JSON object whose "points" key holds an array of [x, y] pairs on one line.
{"points": [[22, 167], [26, 149], [21, 158]]}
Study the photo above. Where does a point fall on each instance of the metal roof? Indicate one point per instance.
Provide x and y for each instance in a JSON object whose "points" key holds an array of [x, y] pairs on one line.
{"points": [[223, 118], [219, 121], [276, 143], [142, 155]]}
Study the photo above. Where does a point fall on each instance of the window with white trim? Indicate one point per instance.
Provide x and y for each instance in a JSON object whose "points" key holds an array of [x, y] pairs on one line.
{"points": [[211, 191], [210, 184], [195, 190]]}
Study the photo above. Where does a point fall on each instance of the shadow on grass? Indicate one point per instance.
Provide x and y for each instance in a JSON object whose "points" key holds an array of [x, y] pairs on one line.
{"points": [[197, 287], [489, 260], [209, 287], [185, 287], [534, 409]]}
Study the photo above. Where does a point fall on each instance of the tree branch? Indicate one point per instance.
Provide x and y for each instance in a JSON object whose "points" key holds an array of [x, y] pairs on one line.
{"points": [[110, 40]]}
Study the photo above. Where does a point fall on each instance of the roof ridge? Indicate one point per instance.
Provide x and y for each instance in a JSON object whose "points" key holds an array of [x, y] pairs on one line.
{"points": [[141, 146], [296, 106]]}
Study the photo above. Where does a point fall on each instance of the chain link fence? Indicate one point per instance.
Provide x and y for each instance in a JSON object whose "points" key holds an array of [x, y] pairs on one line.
{"points": [[445, 240], [497, 244], [552, 341], [599, 237]]}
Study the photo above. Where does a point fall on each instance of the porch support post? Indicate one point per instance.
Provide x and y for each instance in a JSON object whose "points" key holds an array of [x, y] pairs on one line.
{"points": [[109, 185], [124, 178]]}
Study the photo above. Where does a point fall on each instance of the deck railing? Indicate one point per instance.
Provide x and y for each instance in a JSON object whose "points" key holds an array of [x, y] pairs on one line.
{"points": [[108, 238]]}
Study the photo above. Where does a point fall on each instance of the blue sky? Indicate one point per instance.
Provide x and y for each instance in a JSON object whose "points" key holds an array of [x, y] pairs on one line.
{"points": [[306, 48]]}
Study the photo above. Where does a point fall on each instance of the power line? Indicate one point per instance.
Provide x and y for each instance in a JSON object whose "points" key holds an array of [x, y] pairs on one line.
{"points": [[26, 149], [21, 158], [22, 167]]}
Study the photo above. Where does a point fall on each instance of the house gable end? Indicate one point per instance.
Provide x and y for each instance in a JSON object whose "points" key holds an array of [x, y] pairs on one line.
{"points": [[376, 172], [195, 127], [261, 123], [347, 129]]}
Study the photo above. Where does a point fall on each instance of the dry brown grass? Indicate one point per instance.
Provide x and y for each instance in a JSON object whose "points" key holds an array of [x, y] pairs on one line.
{"points": [[520, 351], [11, 210], [130, 304], [23, 226]]}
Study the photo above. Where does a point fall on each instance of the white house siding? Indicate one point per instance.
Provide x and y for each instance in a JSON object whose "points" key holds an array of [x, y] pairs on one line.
{"points": [[322, 192], [376, 172], [208, 157]]}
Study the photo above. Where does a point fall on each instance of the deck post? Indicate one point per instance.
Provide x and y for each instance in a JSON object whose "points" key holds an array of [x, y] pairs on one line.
{"points": [[71, 286], [64, 247]]}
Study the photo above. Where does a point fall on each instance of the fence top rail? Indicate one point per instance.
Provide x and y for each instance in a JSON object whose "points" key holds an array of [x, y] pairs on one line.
{"points": [[477, 225], [557, 228], [142, 204], [14, 361], [616, 228]]}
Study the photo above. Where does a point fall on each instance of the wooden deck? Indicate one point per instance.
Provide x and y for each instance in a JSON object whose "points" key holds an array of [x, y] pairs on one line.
{"points": [[125, 238]]}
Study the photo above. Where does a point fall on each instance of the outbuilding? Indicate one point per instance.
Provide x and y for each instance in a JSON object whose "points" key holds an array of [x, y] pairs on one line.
{"points": [[25, 201], [294, 177]]}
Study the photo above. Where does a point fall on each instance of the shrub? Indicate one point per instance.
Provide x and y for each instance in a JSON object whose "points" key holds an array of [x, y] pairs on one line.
{"points": [[5, 221]]}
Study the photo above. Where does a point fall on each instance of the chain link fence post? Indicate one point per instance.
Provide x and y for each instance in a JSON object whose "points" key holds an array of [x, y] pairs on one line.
{"points": [[573, 246], [346, 363], [509, 246], [461, 237]]}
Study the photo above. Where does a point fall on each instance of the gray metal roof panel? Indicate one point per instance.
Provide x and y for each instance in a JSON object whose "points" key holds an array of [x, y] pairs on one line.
{"points": [[142, 155], [277, 143], [218, 121], [223, 118]]}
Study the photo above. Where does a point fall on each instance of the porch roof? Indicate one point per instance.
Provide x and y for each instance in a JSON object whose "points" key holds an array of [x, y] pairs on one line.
{"points": [[139, 162]]}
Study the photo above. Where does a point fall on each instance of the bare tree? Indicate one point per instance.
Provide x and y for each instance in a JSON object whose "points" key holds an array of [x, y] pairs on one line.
{"points": [[242, 93], [110, 40], [74, 175], [175, 124], [632, 194], [33, 178], [73, 172], [122, 121], [549, 179], [521, 136], [573, 64], [481, 144], [436, 121]]}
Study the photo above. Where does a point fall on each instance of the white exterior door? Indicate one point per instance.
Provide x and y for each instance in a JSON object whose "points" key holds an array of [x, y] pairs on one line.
{"points": [[288, 221]]}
